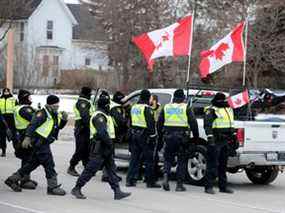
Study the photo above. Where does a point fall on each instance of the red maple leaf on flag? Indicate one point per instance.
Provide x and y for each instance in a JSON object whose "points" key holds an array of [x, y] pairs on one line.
{"points": [[164, 38], [219, 52], [237, 101]]}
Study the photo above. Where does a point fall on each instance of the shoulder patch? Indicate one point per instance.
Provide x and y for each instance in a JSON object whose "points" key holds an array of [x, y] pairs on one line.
{"points": [[39, 114], [83, 105], [29, 110], [208, 111]]}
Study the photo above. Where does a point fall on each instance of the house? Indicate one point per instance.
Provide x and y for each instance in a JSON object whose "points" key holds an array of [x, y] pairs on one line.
{"points": [[48, 39]]}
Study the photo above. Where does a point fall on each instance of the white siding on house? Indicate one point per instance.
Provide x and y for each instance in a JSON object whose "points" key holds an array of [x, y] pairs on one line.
{"points": [[51, 10]]}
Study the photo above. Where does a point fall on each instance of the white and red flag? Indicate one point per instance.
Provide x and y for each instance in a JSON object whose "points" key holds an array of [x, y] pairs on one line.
{"points": [[174, 40], [227, 50], [239, 99]]}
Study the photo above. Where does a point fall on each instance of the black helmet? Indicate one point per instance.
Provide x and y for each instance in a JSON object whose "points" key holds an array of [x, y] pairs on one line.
{"points": [[86, 92], [118, 96], [219, 100], [23, 96]]}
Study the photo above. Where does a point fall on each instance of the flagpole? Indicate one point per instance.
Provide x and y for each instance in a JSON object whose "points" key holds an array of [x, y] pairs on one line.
{"points": [[245, 52], [190, 50]]}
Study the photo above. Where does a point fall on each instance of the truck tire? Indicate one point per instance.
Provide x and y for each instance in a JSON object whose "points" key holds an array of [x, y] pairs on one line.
{"points": [[262, 176], [196, 168]]}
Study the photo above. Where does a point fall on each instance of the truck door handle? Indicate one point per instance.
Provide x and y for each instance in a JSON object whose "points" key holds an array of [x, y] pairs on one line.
{"points": [[275, 126]]}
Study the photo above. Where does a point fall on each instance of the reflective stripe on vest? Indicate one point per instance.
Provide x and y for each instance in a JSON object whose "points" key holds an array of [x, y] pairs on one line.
{"points": [[7, 106], [76, 111], [137, 115], [110, 125], [20, 122], [46, 128], [225, 118], [175, 115]]}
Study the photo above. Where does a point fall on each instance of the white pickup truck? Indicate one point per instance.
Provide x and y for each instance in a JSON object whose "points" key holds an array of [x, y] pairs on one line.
{"points": [[262, 143]]}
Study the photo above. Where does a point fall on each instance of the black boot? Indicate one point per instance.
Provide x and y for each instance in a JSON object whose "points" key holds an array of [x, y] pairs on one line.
{"points": [[153, 185], [118, 194], [13, 182], [72, 171], [54, 187], [165, 183], [3, 153], [210, 191], [76, 191], [227, 190], [180, 187], [27, 183]]}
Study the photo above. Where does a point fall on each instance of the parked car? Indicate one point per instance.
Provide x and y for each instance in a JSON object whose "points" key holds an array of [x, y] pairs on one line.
{"points": [[262, 143]]}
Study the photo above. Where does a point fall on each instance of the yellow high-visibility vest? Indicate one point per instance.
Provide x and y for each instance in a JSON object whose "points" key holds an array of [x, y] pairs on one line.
{"points": [[20, 122], [225, 117], [76, 111], [137, 115], [175, 115], [110, 125], [7, 106]]}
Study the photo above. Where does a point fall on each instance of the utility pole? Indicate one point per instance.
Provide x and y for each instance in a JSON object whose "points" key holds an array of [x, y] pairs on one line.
{"points": [[10, 59]]}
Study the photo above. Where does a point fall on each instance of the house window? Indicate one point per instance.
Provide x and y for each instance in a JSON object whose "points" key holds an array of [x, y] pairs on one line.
{"points": [[45, 65], [87, 61], [22, 31], [50, 30]]}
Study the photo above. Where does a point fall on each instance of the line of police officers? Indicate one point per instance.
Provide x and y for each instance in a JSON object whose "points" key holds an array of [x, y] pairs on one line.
{"points": [[151, 129]]}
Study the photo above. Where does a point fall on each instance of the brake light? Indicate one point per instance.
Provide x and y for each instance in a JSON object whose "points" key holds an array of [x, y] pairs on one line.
{"points": [[207, 93], [240, 136]]}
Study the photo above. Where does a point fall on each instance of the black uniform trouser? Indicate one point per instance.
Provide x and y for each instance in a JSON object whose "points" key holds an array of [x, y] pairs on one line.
{"points": [[41, 155], [141, 145], [9, 118], [217, 158], [175, 145], [23, 154], [82, 142], [98, 159]]}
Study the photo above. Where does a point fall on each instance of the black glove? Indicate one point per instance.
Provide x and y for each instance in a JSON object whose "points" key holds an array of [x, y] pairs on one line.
{"points": [[64, 115]]}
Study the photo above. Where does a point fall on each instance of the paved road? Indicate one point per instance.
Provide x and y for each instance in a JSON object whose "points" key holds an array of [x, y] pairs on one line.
{"points": [[248, 198]]}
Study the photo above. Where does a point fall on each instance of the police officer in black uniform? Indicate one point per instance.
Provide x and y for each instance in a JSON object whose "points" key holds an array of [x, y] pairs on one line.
{"points": [[176, 120], [117, 112], [23, 115], [101, 150], [218, 125], [143, 139], [43, 131], [83, 110]]}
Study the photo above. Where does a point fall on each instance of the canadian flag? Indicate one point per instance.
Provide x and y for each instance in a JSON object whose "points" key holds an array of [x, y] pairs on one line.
{"points": [[229, 49], [174, 40], [239, 99]]}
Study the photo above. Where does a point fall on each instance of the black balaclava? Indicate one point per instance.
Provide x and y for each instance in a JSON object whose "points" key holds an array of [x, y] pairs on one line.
{"points": [[8, 95], [144, 97], [220, 100], [118, 96], [24, 97], [103, 102], [179, 96]]}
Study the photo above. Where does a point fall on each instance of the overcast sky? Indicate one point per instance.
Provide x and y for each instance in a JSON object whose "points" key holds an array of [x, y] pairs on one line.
{"points": [[71, 1]]}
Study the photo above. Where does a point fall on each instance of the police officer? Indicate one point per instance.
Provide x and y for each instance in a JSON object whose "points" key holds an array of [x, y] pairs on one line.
{"points": [[101, 150], [120, 122], [7, 107], [83, 109], [23, 115], [175, 122], [218, 124], [43, 131], [143, 138]]}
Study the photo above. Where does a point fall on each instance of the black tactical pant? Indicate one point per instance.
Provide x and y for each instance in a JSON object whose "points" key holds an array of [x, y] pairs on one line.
{"points": [[41, 155], [9, 119], [141, 146], [176, 145], [21, 153], [217, 158], [82, 143], [100, 156]]}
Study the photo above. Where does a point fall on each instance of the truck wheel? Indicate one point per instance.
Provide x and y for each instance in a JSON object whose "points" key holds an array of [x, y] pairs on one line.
{"points": [[196, 168], [263, 176]]}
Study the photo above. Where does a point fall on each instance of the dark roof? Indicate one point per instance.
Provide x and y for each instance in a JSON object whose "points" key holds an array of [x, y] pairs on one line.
{"points": [[89, 27], [27, 11]]}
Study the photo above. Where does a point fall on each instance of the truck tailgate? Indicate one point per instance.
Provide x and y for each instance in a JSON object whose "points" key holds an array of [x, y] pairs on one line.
{"points": [[263, 136]]}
